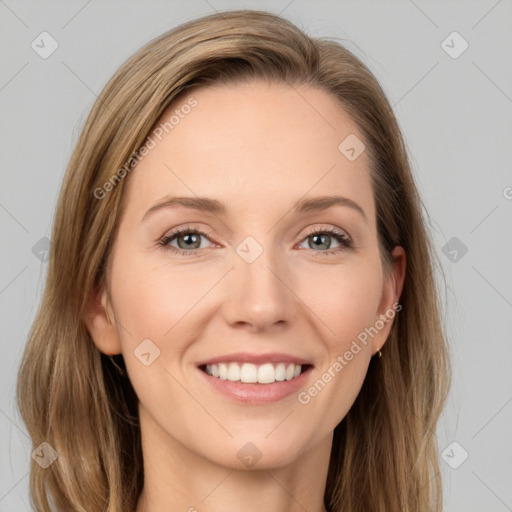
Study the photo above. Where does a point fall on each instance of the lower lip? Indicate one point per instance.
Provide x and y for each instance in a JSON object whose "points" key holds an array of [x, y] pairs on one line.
{"points": [[257, 393]]}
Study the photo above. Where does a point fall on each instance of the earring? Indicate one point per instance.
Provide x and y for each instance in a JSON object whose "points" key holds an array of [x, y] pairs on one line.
{"points": [[380, 353]]}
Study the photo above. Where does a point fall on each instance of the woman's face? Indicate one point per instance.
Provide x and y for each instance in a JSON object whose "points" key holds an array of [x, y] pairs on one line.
{"points": [[259, 281]]}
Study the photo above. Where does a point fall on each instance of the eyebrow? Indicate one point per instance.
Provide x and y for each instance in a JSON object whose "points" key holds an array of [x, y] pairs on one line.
{"points": [[214, 206]]}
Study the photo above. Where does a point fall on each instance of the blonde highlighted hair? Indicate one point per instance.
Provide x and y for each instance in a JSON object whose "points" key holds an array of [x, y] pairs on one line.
{"points": [[384, 455]]}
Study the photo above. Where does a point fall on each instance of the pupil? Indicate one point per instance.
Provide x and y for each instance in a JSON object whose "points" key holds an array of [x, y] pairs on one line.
{"points": [[322, 239], [192, 236]]}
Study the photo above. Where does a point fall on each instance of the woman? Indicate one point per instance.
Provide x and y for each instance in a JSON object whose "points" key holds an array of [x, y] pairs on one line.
{"points": [[240, 309]]}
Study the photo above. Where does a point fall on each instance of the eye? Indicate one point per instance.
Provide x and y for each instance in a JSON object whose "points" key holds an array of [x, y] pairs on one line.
{"points": [[187, 238], [321, 239]]}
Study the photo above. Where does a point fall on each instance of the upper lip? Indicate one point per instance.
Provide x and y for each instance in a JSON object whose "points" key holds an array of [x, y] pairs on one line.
{"points": [[245, 357]]}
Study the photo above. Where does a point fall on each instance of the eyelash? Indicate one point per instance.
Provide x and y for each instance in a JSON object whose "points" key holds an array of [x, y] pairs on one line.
{"points": [[340, 236]]}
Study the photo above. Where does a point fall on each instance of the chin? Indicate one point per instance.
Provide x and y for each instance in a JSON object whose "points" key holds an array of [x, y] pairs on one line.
{"points": [[255, 452]]}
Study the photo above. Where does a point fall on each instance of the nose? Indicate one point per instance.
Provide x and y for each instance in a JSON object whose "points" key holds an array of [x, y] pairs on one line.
{"points": [[259, 294]]}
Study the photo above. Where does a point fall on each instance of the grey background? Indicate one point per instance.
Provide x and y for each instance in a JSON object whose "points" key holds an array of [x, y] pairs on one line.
{"points": [[455, 114]]}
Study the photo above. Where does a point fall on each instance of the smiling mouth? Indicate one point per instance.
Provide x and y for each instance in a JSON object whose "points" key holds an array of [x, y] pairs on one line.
{"points": [[249, 373]]}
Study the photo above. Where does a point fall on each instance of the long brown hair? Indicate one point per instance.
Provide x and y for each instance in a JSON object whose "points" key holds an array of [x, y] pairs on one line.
{"points": [[384, 455]]}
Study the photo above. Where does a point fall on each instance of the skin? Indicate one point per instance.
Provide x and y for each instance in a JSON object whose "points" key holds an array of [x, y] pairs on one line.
{"points": [[257, 148]]}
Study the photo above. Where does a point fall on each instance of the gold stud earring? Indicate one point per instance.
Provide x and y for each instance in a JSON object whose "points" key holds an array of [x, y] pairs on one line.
{"points": [[380, 353]]}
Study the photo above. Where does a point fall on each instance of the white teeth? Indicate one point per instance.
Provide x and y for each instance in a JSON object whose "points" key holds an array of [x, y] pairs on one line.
{"points": [[281, 372], [266, 374], [233, 372], [250, 373]]}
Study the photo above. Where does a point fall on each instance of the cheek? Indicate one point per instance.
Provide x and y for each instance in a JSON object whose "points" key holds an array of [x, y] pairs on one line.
{"points": [[161, 302], [346, 299], [349, 306], [346, 305], [153, 292], [155, 309]]}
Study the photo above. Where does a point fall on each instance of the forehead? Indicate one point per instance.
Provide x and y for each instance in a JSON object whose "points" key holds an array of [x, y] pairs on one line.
{"points": [[253, 146]]}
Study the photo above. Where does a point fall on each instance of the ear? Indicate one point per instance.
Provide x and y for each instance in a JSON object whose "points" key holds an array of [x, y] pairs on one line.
{"points": [[390, 296], [103, 333]]}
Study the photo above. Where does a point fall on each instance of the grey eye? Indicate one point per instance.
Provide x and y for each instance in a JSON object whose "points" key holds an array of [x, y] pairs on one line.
{"points": [[320, 241]]}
